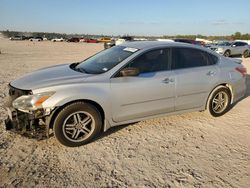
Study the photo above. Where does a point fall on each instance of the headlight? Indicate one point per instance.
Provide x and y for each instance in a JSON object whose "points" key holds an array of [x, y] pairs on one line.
{"points": [[31, 102]]}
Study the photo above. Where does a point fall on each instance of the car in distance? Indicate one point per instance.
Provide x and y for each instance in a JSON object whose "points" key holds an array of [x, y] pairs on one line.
{"points": [[73, 39], [109, 44], [82, 40], [124, 84], [17, 38], [36, 39], [91, 40], [104, 39], [123, 39], [228, 48], [57, 40]]}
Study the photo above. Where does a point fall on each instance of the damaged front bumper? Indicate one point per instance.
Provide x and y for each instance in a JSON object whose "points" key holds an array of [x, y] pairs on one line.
{"points": [[33, 124]]}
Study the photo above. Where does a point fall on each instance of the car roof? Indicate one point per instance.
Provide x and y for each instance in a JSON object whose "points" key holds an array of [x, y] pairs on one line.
{"points": [[145, 45], [154, 44]]}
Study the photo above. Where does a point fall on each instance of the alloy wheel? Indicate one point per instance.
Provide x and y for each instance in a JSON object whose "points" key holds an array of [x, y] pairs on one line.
{"points": [[78, 126], [220, 102]]}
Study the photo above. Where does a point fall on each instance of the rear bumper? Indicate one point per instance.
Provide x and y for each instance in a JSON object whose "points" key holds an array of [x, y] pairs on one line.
{"points": [[239, 90]]}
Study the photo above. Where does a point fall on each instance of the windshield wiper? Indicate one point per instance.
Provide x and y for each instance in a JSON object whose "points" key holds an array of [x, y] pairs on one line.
{"points": [[82, 70], [75, 68]]}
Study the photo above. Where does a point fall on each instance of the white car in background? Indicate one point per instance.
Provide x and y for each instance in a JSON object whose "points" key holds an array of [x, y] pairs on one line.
{"points": [[121, 40], [37, 39], [228, 48], [57, 40]]}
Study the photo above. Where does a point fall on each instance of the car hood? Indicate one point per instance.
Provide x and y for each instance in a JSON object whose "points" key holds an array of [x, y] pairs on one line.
{"points": [[50, 76]]}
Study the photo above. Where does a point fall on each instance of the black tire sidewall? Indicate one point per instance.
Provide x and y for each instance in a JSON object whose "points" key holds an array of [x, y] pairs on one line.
{"points": [[68, 110], [246, 54], [210, 102], [227, 51]]}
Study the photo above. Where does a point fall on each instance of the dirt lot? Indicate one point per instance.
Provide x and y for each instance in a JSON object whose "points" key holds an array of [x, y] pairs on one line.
{"points": [[190, 150]]}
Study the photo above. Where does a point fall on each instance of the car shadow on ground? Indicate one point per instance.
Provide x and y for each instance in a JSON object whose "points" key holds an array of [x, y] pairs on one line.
{"points": [[112, 130]]}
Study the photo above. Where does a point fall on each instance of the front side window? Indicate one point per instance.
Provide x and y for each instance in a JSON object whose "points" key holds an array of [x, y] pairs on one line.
{"points": [[105, 60], [152, 61], [237, 44], [189, 57]]}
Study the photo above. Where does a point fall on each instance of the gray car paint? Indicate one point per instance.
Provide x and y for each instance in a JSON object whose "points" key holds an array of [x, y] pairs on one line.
{"points": [[130, 99]]}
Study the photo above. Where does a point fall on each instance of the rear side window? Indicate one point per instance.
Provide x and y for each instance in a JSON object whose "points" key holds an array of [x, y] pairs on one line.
{"points": [[152, 61], [240, 44], [190, 57], [212, 59]]}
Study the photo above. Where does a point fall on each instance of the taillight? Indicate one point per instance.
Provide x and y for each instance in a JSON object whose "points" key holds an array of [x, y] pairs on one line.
{"points": [[241, 70]]}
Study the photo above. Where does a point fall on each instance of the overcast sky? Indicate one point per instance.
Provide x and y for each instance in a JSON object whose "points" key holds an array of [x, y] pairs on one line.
{"points": [[134, 17]]}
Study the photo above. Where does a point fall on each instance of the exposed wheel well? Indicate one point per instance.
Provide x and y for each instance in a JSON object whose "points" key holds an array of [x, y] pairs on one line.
{"points": [[57, 110], [226, 85]]}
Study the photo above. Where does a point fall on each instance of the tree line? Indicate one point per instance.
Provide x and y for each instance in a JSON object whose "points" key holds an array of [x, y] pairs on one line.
{"points": [[48, 35], [235, 36]]}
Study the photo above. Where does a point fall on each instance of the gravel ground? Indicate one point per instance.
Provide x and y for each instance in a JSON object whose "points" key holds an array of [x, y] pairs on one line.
{"points": [[189, 150]]}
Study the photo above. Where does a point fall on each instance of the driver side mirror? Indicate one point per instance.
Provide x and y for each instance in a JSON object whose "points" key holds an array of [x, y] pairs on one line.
{"points": [[129, 71], [233, 45]]}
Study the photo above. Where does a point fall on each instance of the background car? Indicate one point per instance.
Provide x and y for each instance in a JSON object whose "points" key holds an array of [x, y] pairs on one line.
{"points": [[123, 39], [73, 39], [17, 38], [82, 40], [228, 48], [36, 39], [109, 44], [91, 40], [104, 39], [57, 40]]}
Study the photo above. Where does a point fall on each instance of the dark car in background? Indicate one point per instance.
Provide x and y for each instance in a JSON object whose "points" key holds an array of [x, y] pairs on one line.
{"points": [[190, 41], [73, 39]]}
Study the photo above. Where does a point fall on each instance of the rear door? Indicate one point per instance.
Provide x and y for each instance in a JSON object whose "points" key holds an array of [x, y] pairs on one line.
{"points": [[237, 48], [196, 72], [149, 93]]}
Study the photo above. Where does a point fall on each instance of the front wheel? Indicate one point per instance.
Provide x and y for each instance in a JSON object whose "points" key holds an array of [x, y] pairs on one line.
{"points": [[77, 124], [245, 54], [219, 101], [227, 53]]}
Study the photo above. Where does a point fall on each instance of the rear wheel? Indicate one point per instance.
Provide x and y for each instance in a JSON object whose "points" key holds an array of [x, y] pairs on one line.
{"points": [[246, 54], [227, 53], [219, 101], [77, 124]]}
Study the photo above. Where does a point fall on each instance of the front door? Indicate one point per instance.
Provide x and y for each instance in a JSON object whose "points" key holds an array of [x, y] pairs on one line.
{"points": [[150, 93]]}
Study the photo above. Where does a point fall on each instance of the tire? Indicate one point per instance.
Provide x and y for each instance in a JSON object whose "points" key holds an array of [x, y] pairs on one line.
{"points": [[77, 124], [227, 53], [215, 105], [245, 54]]}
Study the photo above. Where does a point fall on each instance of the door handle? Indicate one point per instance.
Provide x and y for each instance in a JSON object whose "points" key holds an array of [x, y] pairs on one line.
{"points": [[211, 73], [168, 80]]}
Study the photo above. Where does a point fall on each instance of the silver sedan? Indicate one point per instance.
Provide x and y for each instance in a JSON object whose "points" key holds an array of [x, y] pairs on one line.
{"points": [[124, 84]]}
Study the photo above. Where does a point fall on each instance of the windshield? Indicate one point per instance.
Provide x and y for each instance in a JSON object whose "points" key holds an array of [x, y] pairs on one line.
{"points": [[105, 60], [224, 43]]}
